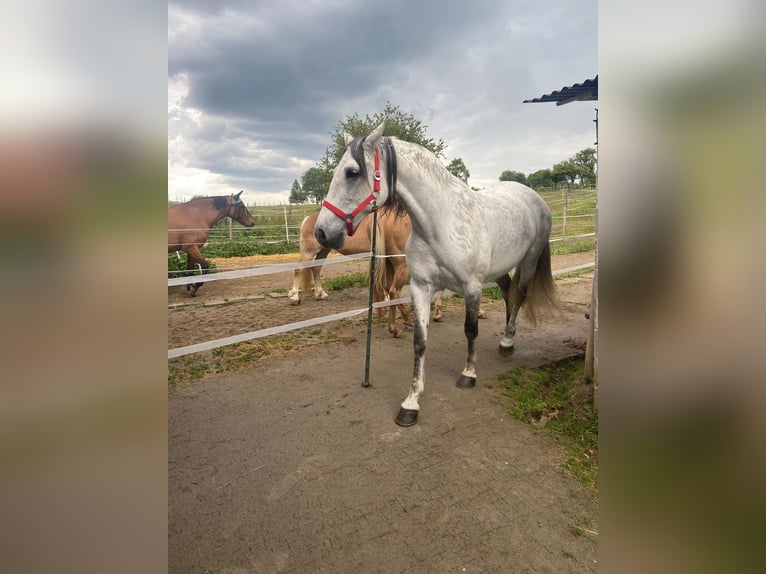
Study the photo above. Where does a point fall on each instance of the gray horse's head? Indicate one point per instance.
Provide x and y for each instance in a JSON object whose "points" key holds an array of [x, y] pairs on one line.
{"points": [[351, 193]]}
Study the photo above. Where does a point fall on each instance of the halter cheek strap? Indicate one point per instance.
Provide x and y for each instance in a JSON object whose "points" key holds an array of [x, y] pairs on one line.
{"points": [[349, 217]]}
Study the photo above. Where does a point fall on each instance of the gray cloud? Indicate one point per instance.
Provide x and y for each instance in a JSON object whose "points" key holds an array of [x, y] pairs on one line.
{"points": [[270, 80]]}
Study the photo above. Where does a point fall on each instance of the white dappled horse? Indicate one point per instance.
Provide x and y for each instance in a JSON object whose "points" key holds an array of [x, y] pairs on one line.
{"points": [[460, 239]]}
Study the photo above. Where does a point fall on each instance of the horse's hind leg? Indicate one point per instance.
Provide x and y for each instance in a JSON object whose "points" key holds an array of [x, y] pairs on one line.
{"points": [[189, 272], [522, 276], [467, 378], [438, 314], [511, 309], [193, 258]]}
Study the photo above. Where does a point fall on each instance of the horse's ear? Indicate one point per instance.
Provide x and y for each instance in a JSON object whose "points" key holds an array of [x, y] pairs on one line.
{"points": [[235, 198], [374, 137], [347, 137]]}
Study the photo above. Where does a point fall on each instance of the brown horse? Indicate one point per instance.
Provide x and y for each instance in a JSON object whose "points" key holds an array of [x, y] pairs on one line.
{"points": [[393, 232], [189, 226]]}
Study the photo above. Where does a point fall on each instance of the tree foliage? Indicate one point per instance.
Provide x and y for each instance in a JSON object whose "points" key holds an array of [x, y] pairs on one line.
{"points": [[509, 175], [316, 180], [297, 195], [457, 168], [585, 160], [539, 179], [578, 169]]}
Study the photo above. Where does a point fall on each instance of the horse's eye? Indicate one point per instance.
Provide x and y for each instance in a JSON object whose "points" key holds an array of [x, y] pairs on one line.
{"points": [[351, 173]]}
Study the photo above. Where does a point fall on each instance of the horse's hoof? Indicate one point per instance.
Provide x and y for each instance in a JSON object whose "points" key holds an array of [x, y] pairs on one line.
{"points": [[505, 351], [438, 318], [406, 417], [465, 382], [410, 323], [397, 334]]}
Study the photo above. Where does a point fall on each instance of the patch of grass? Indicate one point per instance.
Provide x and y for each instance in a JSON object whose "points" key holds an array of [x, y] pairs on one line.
{"points": [[358, 279], [576, 531], [573, 246], [558, 399]]}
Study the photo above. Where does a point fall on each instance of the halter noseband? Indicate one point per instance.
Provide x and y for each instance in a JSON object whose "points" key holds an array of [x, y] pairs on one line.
{"points": [[349, 217]]}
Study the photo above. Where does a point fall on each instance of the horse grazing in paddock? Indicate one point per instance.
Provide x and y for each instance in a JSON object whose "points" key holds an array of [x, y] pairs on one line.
{"points": [[393, 231], [189, 226], [460, 239]]}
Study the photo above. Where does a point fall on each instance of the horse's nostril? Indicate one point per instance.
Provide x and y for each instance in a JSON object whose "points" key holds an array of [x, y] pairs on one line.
{"points": [[320, 235]]}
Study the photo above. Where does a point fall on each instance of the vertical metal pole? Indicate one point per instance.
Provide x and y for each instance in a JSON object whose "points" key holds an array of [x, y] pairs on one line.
{"points": [[366, 382]]}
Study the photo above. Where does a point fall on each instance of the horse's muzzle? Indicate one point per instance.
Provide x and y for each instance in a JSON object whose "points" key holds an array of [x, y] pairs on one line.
{"points": [[329, 241]]}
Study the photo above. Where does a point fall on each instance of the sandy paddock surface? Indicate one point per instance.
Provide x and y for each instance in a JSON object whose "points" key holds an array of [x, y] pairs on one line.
{"points": [[289, 465]]}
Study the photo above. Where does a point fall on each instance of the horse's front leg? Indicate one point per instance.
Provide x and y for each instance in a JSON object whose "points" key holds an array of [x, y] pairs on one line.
{"points": [[400, 279], [421, 303], [467, 378], [319, 293], [294, 295]]}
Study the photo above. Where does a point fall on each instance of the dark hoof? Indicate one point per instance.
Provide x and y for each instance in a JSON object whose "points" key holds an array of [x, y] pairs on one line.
{"points": [[505, 351], [465, 382], [406, 417]]}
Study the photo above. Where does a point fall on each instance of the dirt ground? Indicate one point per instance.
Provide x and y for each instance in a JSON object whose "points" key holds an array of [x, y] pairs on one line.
{"points": [[207, 317], [289, 465]]}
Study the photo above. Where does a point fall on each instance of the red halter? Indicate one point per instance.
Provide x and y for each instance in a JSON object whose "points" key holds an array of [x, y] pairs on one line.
{"points": [[349, 217]]}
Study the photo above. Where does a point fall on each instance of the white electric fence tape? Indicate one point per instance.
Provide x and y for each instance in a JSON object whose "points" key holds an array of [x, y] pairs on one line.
{"points": [[265, 270], [208, 345]]}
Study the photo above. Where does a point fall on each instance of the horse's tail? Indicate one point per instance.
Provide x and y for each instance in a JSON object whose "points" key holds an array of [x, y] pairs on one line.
{"points": [[380, 288], [541, 291]]}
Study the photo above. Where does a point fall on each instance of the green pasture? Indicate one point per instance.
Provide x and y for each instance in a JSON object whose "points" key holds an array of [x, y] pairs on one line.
{"points": [[276, 229]]}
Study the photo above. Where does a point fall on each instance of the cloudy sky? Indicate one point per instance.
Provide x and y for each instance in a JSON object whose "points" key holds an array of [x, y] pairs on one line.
{"points": [[256, 88]]}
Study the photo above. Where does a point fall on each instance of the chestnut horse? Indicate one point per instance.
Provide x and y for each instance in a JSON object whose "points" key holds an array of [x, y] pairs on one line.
{"points": [[392, 234], [189, 226]]}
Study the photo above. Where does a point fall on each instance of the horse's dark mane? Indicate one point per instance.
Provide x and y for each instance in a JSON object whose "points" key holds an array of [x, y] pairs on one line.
{"points": [[219, 201], [389, 157]]}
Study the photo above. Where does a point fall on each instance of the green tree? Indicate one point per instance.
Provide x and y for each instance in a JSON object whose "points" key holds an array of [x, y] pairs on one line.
{"points": [[315, 182], [539, 179], [297, 195], [457, 168], [398, 123], [585, 160], [509, 175], [566, 172]]}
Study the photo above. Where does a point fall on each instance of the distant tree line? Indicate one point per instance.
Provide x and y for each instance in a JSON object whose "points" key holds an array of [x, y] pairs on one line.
{"points": [[580, 169]]}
